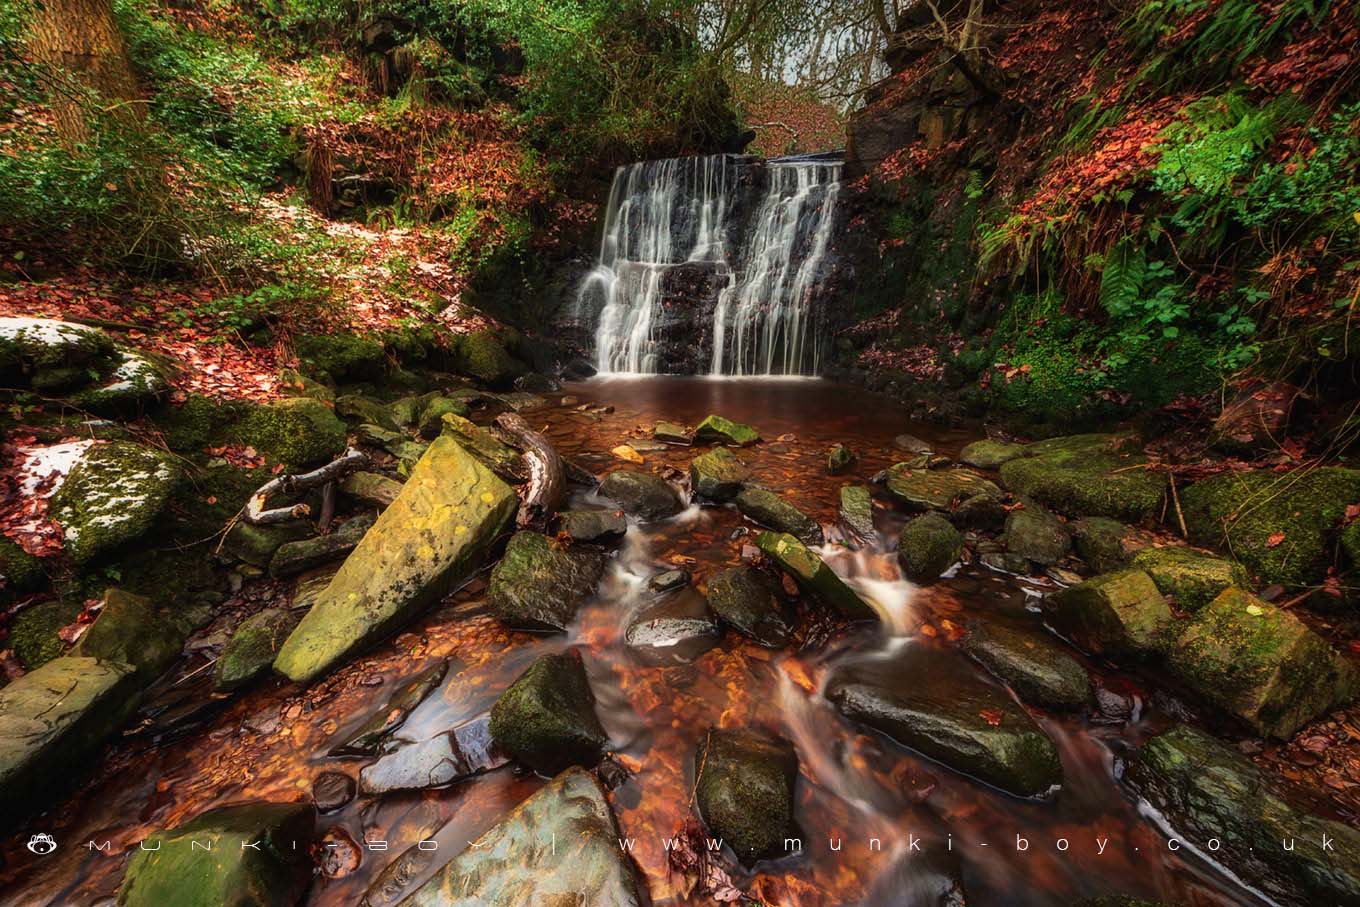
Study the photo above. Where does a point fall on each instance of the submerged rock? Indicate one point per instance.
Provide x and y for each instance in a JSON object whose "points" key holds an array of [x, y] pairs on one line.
{"points": [[1036, 535], [748, 599], [936, 489], [1206, 791], [297, 557], [559, 847], [988, 454], [773, 512], [112, 496], [673, 433], [925, 701], [857, 510], [717, 475], [600, 526], [679, 627], [1191, 578], [131, 630], [928, 546], [434, 535], [332, 791], [642, 494], [1087, 475], [370, 736], [546, 719], [1104, 543], [297, 432], [719, 430], [743, 787], [252, 648], [253, 855], [1120, 613], [53, 719], [1036, 667], [1261, 664], [452, 756], [813, 575], [539, 583], [839, 459]]}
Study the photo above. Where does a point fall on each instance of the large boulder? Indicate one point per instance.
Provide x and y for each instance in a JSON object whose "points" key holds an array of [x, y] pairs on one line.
{"points": [[251, 855], [720, 430], [296, 432], [53, 719], [925, 699], [768, 509], [546, 719], [748, 599], [936, 489], [1278, 524], [539, 582], [1206, 792], [500, 458], [1040, 671], [743, 787], [1261, 664], [927, 546], [112, 496], [813, 575], [34, 344], [988, 454], [434, 535], [559, 847], [1087, 475], [131, 630], [1104, 543], [717, 475], [1120, 613], [252, 648], [1192, 578], [642, 494], [857, 510], [1036, 535]]}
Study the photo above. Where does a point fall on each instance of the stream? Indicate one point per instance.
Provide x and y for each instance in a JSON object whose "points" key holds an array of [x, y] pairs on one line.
{"points": [[873, 815]]}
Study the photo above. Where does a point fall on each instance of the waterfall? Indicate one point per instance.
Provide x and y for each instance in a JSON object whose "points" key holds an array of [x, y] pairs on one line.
{"points": [[712, 263]]}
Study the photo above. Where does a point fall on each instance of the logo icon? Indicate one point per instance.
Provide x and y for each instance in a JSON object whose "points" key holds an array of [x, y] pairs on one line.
{"points": [[42, 844]]}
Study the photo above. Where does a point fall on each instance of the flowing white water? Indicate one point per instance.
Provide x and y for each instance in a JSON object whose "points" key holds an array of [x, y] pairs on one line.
{"points": [[665, 215]]}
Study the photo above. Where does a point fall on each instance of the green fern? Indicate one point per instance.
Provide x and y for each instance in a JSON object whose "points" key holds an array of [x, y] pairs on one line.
{"points": [[1121, 282]]}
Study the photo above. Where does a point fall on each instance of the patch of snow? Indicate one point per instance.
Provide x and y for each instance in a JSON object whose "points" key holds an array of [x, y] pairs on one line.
{"points": [[45, 331], [41, 470]]}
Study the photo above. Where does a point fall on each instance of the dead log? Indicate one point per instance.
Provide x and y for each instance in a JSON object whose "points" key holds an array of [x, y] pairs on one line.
{"points": [[257, 514], [541, 496]]}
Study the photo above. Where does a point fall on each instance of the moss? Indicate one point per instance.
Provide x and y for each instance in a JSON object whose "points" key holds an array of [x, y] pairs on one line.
{"points": [[41, 343], [1191, 578], [33, 635], [1087, 475], [22, 571], [928, 546], [339, 357], [744, 787], [1037, 535], [297, 432], [813, 575], [539, 584], [546, 719], [1280, 525], [765, 508], [988, 454], [717, 474], [1122, 613], [481, 356], [432, 417], [252, 648], [130, 630], [717, 429], [200, 422], [1103, 543], [112, 496]]}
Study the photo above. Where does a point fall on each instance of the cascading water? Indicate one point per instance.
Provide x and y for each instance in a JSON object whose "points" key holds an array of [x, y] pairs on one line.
{"points": [[712, 263]]}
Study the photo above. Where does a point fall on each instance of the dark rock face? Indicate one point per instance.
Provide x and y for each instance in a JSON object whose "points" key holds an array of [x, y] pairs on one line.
{"points": [[252, 648], [332, 790], [302, 555], [1037, 535], [744, 790], [773, 512], [1036, 667], [130, 630], [928, 546], [839, 459], [678, 628], [1208, 791], [546, 719], [643, 495], [747, 599], [539, 585], [857, 510], [1255, 419], [925, 700], [593, 525], [1103, 543]]}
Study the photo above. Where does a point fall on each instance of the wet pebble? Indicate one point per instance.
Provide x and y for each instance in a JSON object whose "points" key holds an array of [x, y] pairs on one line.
{"points": [[671, 579], [332, 790], [337, 853]]}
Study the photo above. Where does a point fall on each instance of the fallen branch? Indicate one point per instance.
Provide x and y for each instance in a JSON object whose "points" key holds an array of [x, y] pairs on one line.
{"points": [[542, 495], [257, 513]]}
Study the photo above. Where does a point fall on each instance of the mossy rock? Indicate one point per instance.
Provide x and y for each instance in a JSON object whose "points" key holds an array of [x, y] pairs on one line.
{"points": [[251, 650], [45, 343], [305, 554], [642, 494], [1120, 613], [715, 429], [765, 508], [748, 599], [936, 489], [22, 572], [717, 475], [981, 513], [295, 384], [481, 356], [1037, 535], [539, 583], [546, 719], [131, 630], [598, 526], [371, 488], [673, 433], [1040, 671], [1191, 578], [134, 384], [857, 510], [357, 409], [198, 423], [297, 432], [1103, 543], [813, 575], [112, 496], [744, 789], [432, 417], [839, 459], [928, 546], [1279, 525], [1087, 475], [500, 458], [340, 357], [256, 545], [33, 634], [988, 454]]}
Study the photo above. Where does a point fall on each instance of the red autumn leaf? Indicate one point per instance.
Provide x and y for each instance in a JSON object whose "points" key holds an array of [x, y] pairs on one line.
{"points": [[992, 716], [1274, 540]]}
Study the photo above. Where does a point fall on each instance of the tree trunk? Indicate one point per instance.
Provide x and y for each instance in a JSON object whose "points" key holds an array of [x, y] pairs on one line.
{"points": [[80, 44]]}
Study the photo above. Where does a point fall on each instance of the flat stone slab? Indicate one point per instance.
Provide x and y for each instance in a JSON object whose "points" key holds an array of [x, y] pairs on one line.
{"points": [[1032, 664], [1120, 613], [936, 489], [465, 751]]}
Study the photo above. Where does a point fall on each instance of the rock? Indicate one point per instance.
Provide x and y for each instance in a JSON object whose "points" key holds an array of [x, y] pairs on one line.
{"points": [[43, 343], [1207, 791], [356, 409], [444, 759], [130, 630], [678, 628], [981, 513], [251, 650], [1037, 668], [747, 599], [297, 557], [432, 416], [913, 444], [134, 384], [928, 546], [332, 791], [936, 489], [546, 719], [839, 459], [988, 454], [297, 432], [112, 496], [1006, 562], [256, 544], [479, 355], [585, 867], [371, 488], [377, 436], [340, 357], [1277, 524], [626, 453], [857, 510], [718, 430], [374, 732], [53, 719], [1119, 613], [273, 871], [923, 699], [813, 575], [406, 411], [433, 536], [668, 581], [1036, 535], [500, 458], [34, 634], [673, 433], [21, 571], [1256, 420], [768, 509], [642, 494], [1191, 578], [600, 526], [1261, 664], [1104, 543], [295, 384], [717, 475], [1087, 475], [744, 784], [539, 584], [929, 461]]}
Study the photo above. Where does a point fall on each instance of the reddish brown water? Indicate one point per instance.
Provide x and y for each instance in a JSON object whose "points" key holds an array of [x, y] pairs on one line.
{"points": [[854, 786]]}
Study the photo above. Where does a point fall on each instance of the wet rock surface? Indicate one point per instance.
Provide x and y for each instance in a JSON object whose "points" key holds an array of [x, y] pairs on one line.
{"points": [[369, 738], [1087, 475], [716, 429], [547, 720], [936, 489], [446, 758], [768, 509], [813, 575], [1120, 613], [678, 627], [927, 546], [1192, 579], [539, 584], [643, 495], [1036, 535], [744, 784], [748, 599], [717, 475], [293, 558], [601, 526], [1040, 671], [857, 510]]}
